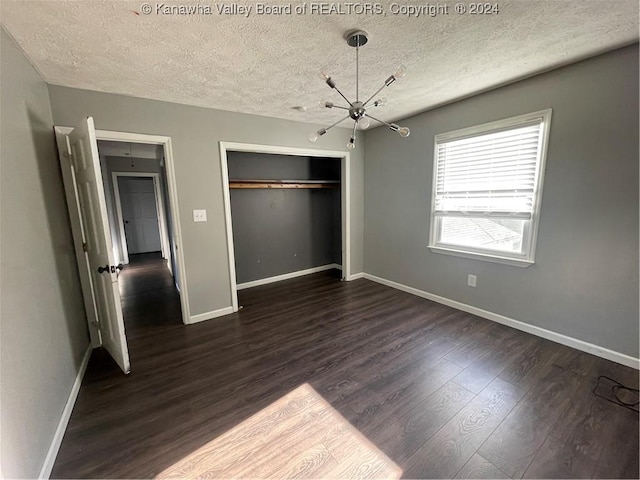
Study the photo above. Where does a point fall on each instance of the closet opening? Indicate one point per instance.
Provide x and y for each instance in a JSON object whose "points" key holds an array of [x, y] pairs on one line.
{"points": [[287, 213]]}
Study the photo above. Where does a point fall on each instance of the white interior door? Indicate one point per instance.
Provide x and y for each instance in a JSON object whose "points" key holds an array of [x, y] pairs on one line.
{"points": [[104, 274], [138, 199]]}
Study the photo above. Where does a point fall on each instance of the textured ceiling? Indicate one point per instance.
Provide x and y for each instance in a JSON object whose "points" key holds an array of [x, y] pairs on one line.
{"points": [[269, 64]]}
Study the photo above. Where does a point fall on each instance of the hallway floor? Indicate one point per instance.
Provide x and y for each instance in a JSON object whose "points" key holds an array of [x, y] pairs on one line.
{"points": [[150, 300]]}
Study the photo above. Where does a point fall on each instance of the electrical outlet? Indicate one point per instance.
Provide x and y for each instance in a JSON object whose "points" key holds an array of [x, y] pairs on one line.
{"points": [[199, 215], [471, 280]]}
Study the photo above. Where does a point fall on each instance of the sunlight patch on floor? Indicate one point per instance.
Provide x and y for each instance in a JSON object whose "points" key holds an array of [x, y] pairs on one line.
{"points": [[298, 436]]}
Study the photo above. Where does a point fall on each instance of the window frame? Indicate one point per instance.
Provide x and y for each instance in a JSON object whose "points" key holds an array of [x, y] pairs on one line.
{"points": [[530, 231]]}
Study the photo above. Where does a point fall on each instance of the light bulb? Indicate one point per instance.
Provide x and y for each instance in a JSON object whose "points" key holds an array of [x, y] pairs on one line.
{"points": [[381, 102], [404, 131], [313, 137], [351, 145], [323, 75], [324, 104], [364, 122], [401, 72]]}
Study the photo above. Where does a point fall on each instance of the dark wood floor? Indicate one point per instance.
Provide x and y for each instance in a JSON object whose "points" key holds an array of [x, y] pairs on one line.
{"points": [[443, 393]]}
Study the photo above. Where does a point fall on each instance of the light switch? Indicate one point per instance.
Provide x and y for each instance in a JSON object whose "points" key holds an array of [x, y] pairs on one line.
{"points": [[199, 215]]}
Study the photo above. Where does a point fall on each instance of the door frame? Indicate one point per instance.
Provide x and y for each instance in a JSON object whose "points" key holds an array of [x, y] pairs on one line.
{"points": [[345, 199], [108, 135], [160, 212]]}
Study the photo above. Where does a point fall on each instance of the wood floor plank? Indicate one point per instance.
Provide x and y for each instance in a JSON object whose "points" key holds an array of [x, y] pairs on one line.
{"points": [[478, 467], [516, 441], [556, 459], [530, 364], [620, 446], [585, 422], [480, 344], [403, 432], [482, 372], [454, 444], [377, 409], [377, 355]]}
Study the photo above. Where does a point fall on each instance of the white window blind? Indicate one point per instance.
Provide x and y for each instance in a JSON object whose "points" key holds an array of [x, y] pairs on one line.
{"points": [[493, 174], [486, 189]]}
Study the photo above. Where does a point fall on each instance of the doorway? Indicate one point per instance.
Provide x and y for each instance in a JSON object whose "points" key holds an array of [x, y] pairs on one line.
{"points": [[135, 186], [137, 200], [96, 233]]}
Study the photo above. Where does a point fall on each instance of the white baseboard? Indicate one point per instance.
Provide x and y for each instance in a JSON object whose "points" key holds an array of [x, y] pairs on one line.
{"points": [[355, 276], [510, 322], [50, 459], [287, 276], [201, 317]]}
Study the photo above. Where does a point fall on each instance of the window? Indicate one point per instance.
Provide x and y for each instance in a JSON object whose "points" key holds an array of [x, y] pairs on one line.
{"points": [[487, 184]]}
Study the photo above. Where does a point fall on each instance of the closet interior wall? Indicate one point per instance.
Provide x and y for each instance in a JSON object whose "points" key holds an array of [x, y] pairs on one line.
{"points": [[281, 226]]}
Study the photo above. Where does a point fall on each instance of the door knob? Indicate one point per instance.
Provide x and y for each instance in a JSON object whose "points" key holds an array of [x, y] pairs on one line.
{"points": [[119, 266], [103, 269]]}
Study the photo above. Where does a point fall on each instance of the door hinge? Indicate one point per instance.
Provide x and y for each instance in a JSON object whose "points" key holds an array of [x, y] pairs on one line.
{"points": [[96, 324], [85, 248]]}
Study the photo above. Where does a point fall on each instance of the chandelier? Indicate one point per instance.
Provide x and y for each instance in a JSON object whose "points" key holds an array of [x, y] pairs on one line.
{"points": [[357, 110]]}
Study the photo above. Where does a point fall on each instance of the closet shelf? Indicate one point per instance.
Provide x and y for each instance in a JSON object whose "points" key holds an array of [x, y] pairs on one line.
{"points": [[247, 183]]}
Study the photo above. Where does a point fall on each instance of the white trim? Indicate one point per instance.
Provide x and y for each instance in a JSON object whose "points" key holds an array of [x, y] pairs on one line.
{"points": [[226, 197], [173, 197], [287, 276], [591, 348], [54, 447], [495, 126], [529, 238], [201, 317], [356, 276], [281, 150], [160, 213], [485, 257]]}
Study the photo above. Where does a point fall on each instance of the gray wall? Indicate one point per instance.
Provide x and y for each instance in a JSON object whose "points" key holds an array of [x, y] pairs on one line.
{"points": [[195, 134], [584, 283], [279, 231], [43, 325]]}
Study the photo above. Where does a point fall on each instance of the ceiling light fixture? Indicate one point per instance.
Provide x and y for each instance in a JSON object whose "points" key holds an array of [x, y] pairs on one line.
{"points": [[358, 110]]}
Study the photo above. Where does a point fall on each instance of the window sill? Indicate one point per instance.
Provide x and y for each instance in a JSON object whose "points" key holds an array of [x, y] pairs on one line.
{"points": [[515, 262]]}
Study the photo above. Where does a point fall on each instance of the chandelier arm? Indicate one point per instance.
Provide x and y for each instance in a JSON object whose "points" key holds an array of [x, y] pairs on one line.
{"points": [[340, 107], [333, 125], [375, 94], [341, 94], [355, 128], [391, 126]]}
